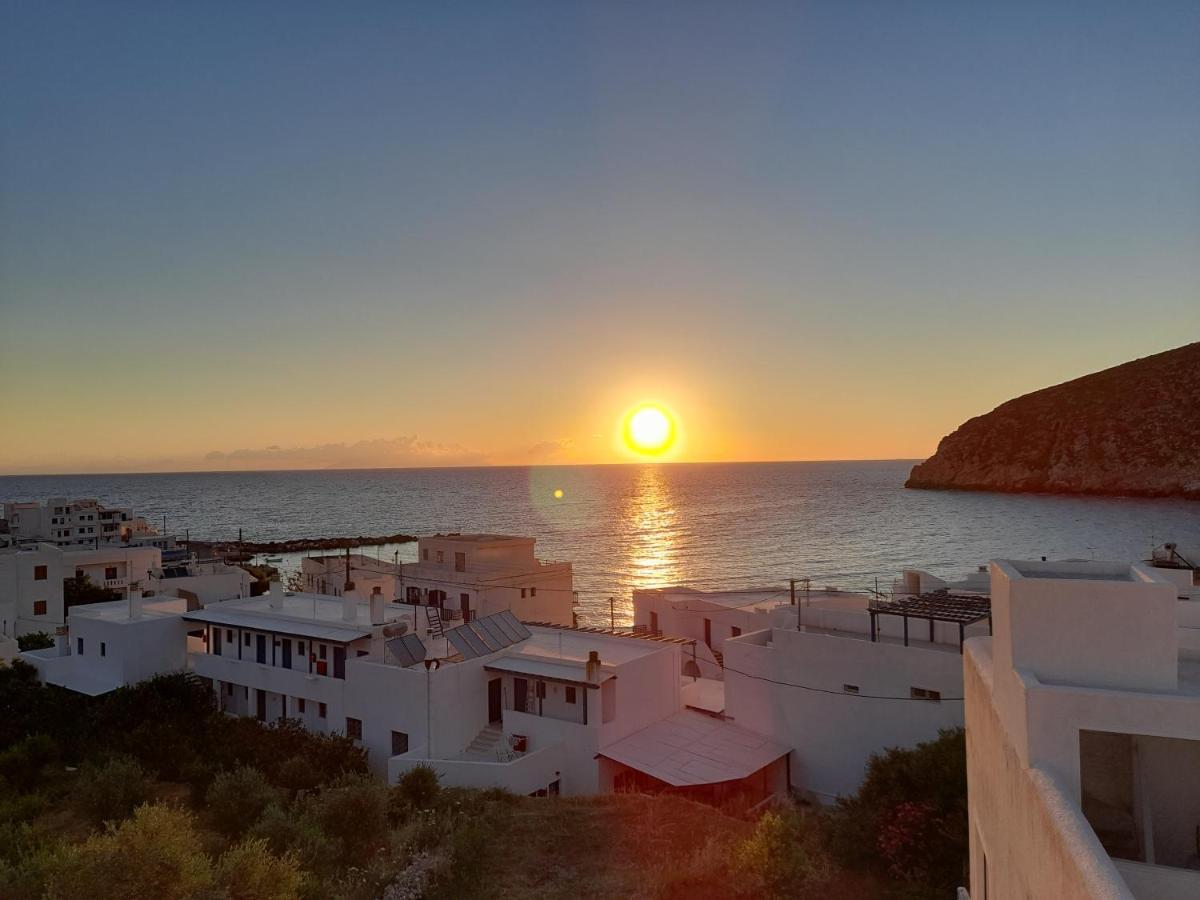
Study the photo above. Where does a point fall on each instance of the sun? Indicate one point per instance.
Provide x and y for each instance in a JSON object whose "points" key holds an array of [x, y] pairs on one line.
{"points": [[649, 429]]}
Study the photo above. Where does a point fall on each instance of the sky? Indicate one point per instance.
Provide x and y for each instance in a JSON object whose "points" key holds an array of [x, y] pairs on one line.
{"points": [[309, 235]]}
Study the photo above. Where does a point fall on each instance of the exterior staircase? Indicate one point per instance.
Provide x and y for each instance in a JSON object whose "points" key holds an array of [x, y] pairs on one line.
{"points": [[486, 744], [433, 617], [719, 657]]}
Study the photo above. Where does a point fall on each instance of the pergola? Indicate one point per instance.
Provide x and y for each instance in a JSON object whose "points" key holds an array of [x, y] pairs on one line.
{"points": [[935, 606]]}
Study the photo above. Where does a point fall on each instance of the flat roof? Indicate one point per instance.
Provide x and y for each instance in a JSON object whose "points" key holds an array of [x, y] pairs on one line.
{"points": [[118, 610], [480, 538], [569, 644], [236, 618], [546, 670], [691, 748]]}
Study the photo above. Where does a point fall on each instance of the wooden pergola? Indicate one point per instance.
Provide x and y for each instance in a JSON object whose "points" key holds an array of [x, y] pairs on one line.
{"points": [[934, 606]]}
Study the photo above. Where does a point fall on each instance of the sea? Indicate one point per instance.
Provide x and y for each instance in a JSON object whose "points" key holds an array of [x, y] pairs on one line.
{"points": [[714, 525]]}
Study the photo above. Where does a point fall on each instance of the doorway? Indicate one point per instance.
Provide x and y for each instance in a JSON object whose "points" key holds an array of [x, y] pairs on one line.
{"points": [[261, 648], [708, 632], [495, 707], [520, 692]]}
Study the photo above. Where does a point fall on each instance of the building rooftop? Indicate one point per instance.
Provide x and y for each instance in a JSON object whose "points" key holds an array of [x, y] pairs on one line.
{"points": [[118, 610], [310, 615], [481, 538]]}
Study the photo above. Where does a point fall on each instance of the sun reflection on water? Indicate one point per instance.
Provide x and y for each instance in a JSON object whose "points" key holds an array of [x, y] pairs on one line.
{"points": [[651, 554]]}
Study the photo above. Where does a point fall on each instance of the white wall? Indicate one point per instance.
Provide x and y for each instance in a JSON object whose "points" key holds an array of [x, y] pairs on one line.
{"points": [[833, 734]]}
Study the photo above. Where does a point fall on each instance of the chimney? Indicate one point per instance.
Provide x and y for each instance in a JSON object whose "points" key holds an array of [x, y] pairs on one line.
{"points": [[276, 600], [377, 606], [135, 604], [349, 607], [592, 672]]}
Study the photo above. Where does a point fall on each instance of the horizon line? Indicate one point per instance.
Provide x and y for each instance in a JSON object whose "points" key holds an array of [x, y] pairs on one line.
{"points": [[660, 462]]}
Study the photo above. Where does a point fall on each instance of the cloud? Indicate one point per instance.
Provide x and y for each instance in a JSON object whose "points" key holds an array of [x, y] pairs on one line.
{"points": [[378, 453]]}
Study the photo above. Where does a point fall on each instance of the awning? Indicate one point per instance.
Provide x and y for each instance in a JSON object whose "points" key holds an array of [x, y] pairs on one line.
{"points": [[544, 670], [691, 748], [297, 627]]}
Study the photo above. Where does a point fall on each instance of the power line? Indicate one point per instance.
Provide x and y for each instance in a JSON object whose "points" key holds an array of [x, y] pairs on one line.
{"points": [[816, 690]]}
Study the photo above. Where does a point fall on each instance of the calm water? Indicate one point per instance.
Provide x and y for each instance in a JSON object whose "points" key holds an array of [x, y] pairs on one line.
{"points": [[713, 525]]}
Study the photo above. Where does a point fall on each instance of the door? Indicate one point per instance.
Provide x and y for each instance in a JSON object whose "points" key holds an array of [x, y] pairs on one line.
{"points": [[495, 710], [287, 653], [465, 600], [339, 662], [260, 698], [520, 690], [262, 648], [216, 641], [708, 632]]}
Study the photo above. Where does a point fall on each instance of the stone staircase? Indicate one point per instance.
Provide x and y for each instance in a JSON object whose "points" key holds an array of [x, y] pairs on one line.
{"points": [[719, 657], [486, 744]]}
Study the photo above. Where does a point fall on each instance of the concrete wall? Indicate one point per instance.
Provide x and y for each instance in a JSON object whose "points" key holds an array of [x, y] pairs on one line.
{"points": [[1032, 833], [20, 590], [834, 734], [524, 775]]}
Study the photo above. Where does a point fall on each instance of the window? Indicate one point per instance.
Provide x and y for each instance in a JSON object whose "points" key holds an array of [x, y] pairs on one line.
{"points": [[425, 555], [39, 607], [734, 631], [229, 689], [354, 729], [79, 646], [321, 710], [229, 635], [570, 694], [522, 593], [441, 556], [103, 649], [850, 688], [533, 592], [460, 562], [321, 651], [39, 573], [110, 572], [300, 647], [246, 638], [654, 622], [399, 743], [300, 705], [925, 694]]}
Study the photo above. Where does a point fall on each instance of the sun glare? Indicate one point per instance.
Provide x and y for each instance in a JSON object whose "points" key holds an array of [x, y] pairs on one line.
{"points": [[649, 429]]}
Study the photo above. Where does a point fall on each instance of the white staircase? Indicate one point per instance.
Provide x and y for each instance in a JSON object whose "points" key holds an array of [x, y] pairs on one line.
{"points": [[486, 744]]}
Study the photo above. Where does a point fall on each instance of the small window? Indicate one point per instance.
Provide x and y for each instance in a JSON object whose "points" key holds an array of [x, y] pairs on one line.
{"points": [[103, 649], [321, 651], [229, 689], [363, 652], [300, 647], [734, 631], [425, 555], [39, 573], [321, 710], [300, 705], [110, 572], [570, 694], [533, 592], [522, 593], [850, 688], [79, 646], [354, 729], [460, 562], [246, 638], [925, 694], [441, 556], [39, 607], [399, 743], [229, 635]]}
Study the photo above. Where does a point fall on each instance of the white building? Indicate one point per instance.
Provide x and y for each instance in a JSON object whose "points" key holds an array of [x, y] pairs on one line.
{"points": [[463, 575], [66, 522], [1083, 734], [851, 676], [120, 642]]}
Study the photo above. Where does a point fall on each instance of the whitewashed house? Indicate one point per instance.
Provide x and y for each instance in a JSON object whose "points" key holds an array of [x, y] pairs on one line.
{"points": [[462, 575], [851, 676], [1083, 734], [66, 522]]}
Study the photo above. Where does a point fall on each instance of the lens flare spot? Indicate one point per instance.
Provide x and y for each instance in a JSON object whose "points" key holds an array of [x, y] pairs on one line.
{"points": [[558, 493]]}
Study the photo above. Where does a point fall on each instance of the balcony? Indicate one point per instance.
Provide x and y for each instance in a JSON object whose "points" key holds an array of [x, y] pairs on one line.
{"points": [[116, 584], [262, 676]]}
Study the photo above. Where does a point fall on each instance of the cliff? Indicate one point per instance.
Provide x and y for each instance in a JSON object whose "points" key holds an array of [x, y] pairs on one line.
{"points": [[1130, 430]]}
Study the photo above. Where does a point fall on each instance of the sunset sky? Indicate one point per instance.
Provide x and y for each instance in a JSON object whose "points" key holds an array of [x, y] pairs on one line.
{"points": [[307, 235]]}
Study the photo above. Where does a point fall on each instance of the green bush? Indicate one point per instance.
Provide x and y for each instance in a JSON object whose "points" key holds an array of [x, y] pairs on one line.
{"points": [[153, 854], [782, 855], [112, 789], [417, 788], [299, 774], [35, 640], [292, 831], [908, 821], [352, 812], [27, 864], [249, 871], [22, 764], [236, 799]]}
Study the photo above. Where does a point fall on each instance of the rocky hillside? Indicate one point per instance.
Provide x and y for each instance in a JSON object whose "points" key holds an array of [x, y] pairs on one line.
{"points": [[1130, 430]]}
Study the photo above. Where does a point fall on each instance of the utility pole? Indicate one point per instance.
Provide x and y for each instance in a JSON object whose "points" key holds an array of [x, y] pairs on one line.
{"points": [[612, 614]]}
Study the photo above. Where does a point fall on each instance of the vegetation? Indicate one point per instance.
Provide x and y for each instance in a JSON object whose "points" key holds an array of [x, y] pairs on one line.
{"points": [[35, 640], [225, 808], [81, 590]]}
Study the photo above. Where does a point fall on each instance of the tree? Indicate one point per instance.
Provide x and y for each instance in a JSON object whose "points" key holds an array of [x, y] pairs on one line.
{"points": [[35, 640], [80, 590], [249, 871], [236, 799], [112, 789]]}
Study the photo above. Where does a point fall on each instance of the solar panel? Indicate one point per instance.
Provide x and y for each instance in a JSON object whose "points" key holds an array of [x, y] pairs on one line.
{"points": [[486, 636], [503, 625], [460, 644], [522, 631], [400, 652], [415, 647], [499, 638], [480, 648]]}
